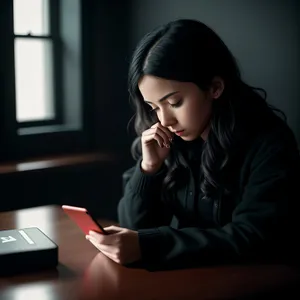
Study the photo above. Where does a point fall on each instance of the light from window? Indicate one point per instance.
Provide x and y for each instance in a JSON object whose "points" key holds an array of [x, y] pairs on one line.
{"points": [[33, 61], [31, 16], [33, 77]]}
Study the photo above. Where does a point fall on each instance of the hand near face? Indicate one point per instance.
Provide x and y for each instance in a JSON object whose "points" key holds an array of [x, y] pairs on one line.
{"points": [[121, 244], [156, 143]]}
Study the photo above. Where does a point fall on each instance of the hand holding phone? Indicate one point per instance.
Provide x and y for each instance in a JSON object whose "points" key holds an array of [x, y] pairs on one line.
{"points": [[83, 219]]}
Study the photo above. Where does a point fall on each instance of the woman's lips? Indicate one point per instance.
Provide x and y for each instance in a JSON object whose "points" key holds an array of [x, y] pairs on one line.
{"points": [[180, 132]]}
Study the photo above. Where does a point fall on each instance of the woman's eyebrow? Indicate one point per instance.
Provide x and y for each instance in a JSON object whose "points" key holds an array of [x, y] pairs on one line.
{"points": [[164, 97]]}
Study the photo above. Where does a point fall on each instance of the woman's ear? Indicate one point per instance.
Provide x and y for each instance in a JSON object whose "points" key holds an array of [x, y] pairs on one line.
{"points": [[217, 87]]}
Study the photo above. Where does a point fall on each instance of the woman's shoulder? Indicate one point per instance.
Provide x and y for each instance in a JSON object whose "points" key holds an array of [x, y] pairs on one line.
{"points": [[275, 136], [278, 132]]}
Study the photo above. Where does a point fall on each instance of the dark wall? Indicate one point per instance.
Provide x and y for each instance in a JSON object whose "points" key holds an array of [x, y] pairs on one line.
{"points": [[263, 35], [109, 38]]}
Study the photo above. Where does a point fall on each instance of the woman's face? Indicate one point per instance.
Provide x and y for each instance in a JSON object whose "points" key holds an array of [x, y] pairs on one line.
{"points": [[180, 106]]}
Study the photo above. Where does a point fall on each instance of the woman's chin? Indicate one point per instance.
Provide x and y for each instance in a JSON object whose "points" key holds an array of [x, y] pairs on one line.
{"points": [[189, 138]]}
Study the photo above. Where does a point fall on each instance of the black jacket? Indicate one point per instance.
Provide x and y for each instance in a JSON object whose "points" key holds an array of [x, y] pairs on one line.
{"points": [[256, 218]]}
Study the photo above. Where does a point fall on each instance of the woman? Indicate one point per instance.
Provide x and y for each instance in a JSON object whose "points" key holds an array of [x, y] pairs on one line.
{"points": [[216, 165]]}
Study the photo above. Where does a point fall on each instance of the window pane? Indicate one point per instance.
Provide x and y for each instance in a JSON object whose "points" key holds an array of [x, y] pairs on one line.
{"points": [[31, 16], [34, 80]]}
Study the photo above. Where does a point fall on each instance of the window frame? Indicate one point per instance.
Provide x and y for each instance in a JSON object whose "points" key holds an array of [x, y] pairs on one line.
{"points": [[54, 36]]}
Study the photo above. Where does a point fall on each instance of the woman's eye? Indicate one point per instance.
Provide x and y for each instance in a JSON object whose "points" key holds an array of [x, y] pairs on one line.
{"points": [[177, 104], [154, 109]]}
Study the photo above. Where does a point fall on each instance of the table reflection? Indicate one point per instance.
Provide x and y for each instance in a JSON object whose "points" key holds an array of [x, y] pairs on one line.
{"points": [[29, 291], [104, 279], [101, 277]]}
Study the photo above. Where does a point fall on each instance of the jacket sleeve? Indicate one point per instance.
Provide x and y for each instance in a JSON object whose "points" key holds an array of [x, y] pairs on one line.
{"points": [[141, 205], [259, 222]]}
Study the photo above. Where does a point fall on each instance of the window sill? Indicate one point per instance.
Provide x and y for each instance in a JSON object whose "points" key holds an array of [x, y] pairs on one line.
{"points": [[46, 129], [57, 162]]}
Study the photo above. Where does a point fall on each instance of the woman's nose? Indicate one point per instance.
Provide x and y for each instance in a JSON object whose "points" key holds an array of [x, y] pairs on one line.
{"points": [[167, 119]]}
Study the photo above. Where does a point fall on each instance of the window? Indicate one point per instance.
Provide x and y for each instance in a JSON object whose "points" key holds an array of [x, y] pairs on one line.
{"points": [[42, 64], [35, 39]]}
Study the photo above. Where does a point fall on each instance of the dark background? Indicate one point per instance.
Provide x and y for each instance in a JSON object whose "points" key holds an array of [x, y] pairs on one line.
{"points": [[263, 35]]}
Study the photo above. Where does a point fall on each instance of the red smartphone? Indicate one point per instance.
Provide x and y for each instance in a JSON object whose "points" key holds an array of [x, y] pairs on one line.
{"points": [[83, 219]]}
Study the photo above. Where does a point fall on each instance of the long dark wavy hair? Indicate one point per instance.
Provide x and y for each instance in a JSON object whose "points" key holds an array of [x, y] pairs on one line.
{"points": [[189, 51]]}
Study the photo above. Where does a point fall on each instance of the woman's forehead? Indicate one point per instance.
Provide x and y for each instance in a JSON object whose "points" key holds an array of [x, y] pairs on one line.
{"points": [[154, 88]]}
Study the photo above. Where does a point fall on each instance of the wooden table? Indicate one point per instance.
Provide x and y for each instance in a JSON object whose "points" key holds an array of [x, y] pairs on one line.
{"points": [[84, 273]]}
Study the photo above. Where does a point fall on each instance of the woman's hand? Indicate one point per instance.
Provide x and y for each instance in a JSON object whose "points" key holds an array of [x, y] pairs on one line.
{"points": [[155, 147], [121, 244]]}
